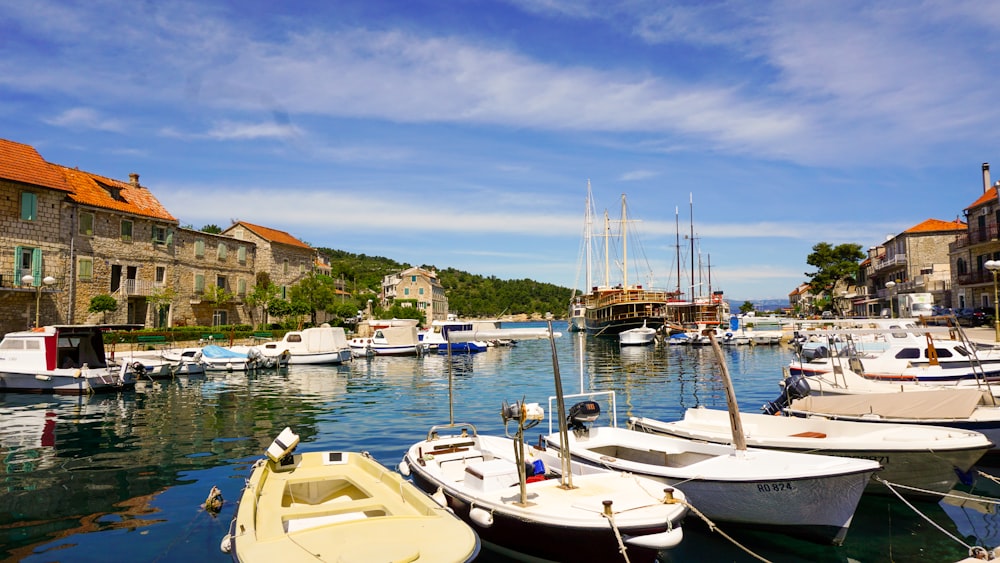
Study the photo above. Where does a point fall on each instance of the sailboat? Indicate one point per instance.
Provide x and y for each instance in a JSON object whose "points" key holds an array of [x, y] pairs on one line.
{"points": [[612, 310], [699, 311], [577, 302], [804, 495], [528, 503]]}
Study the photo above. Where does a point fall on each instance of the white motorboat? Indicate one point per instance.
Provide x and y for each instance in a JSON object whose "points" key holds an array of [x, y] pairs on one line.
{"points": [[316, 345], [62, 359], [753, 487], [729, 482], [637, 336], [388, 341], [534, 513], [968, 409], [927, 460], [220, 359], [435, 338], [899, 351], [339, 506], [531, 504]]}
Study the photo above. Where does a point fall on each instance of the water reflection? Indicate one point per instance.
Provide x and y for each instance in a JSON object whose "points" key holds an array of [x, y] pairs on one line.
{"points": [[87, 476]]}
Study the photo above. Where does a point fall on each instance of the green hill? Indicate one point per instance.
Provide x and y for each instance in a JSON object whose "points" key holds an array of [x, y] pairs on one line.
{"points": [[469, 295]]}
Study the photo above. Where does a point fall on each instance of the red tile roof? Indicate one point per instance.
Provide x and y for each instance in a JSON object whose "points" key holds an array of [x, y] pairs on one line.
{"points": [[937, 225], [273, 235], [988, 195], [22, 163], [98, 191]]}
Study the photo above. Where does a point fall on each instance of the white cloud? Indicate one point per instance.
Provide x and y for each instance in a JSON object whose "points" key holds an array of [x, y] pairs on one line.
{"points": [[85, 118]]}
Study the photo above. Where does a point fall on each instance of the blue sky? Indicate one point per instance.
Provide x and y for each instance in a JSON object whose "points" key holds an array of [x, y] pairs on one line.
{"points": [[463, 133]]}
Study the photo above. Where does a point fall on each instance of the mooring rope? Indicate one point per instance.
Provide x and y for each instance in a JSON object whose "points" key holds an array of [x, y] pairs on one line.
{"points": [[892, 488], [618, 535]]}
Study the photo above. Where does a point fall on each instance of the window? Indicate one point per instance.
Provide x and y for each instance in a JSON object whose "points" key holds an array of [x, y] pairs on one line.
{"points": [[220, 282], [406, 291], [241, 286], [159, 235], [908, 354], [85, 268], [29, 261], [413, 279], [86, 223], [29, 206], [161, 275], [126, 230], [199, 248], [420, 291], [284, 292], [199, 283], [284, 266], [223, 251], [220, 318], [302, 268], [241, 254]]}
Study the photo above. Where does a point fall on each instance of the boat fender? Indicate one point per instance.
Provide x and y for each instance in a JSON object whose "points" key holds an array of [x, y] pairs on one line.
{"points": [[78, 373], [226, 545], [439, 497], [404, 468], [480, 516]]}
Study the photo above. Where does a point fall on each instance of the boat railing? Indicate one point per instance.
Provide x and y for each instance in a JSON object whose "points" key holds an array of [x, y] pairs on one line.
{"points": [[432, 434], [590, 396], [630, 296]]}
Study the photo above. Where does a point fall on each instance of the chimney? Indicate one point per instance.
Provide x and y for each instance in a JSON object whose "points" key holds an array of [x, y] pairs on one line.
{"points": [[133, 178], [986, 177]]}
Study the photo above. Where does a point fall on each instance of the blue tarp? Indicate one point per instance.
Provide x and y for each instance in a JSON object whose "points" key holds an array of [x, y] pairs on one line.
{"points": [[218, 352]]}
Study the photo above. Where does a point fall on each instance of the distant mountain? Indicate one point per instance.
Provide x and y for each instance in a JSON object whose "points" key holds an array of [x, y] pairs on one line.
{"points": [[759, 304]]}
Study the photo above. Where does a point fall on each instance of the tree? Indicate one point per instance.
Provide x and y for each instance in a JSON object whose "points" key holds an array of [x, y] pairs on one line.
{"points": [[833, 265], [158, 299], [103, 304], [260, 297], [746, 307], [315, 292], [213, 229]]}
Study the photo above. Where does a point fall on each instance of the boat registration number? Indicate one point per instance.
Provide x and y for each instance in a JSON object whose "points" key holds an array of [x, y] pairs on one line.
{"points": [[774, 487]]}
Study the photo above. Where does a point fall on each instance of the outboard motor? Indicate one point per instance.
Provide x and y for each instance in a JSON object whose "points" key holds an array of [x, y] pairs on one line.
{"points": [[580, 414], [796, 387]]}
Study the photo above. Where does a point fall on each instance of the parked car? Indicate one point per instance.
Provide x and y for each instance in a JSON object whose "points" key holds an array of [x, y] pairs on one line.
{"points": [[970, 317]]}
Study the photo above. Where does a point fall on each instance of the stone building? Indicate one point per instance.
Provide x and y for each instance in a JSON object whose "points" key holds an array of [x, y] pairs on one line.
{"points": [[915, 261], [980, 243], [32, 199], [417, 287], [79, 235]]}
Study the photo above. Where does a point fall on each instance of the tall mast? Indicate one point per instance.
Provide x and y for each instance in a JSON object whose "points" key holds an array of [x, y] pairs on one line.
{"points": [[691, 206], [677, 246], [607, 237], [624, 246], [589, 227]]}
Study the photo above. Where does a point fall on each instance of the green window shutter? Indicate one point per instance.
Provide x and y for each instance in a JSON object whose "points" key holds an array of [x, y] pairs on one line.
{"points": [[36, 266], [17, 265], [29, 206]]}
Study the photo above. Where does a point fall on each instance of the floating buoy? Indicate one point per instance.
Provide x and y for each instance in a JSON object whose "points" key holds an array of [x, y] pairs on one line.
{"points": [[404, 468]]}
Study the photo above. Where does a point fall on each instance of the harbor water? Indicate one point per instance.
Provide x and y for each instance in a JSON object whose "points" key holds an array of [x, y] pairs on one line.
{"points": [[123, 476]]}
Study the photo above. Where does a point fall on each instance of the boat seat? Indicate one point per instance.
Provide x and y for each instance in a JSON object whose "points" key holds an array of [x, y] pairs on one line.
{"points": [[454, 469], [808, 435]]}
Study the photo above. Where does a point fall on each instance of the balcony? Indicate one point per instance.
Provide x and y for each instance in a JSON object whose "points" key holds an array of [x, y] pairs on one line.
{"points": [[890, 261], [138, 288], [975, 278], [973, 237]]}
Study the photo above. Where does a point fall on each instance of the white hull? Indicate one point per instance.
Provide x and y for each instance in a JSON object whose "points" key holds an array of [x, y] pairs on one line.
{"points": [[761, 488], [477, 477], [637, 336], [64, 360], [324, 345], [918, 456]]}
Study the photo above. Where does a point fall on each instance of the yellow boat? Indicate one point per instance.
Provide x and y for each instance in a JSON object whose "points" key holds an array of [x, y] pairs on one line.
{"points": [[340, 506]]}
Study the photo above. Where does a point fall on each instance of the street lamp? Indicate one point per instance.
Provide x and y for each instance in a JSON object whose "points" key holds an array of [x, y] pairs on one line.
{"points": [[889, 285], [993, 266], [46, 281]]}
